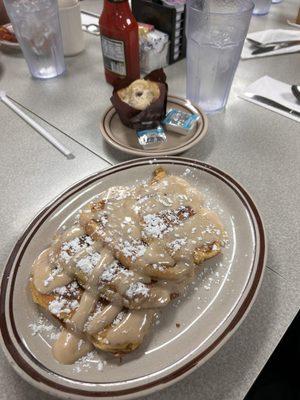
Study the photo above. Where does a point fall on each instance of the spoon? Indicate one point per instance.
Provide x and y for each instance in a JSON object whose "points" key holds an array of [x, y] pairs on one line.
{"points": [[296, 91]]}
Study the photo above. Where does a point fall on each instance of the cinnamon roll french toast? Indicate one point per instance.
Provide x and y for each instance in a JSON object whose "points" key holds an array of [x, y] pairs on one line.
{"points": [[132, 250]]}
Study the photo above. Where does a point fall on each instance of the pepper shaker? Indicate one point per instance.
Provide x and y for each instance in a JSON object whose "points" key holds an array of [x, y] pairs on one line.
{"points": [[71, 28]]}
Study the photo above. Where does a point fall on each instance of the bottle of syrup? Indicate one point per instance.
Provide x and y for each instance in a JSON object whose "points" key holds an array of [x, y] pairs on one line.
{"points": [[119, 41]]}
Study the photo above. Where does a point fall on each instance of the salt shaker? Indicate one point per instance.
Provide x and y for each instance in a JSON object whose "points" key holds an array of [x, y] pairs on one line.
{"points": [[71, 29]]}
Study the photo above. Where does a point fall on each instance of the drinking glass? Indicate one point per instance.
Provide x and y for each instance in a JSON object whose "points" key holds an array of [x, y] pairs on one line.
{"points": [[261, 7], [37, 28], [216, 30]]}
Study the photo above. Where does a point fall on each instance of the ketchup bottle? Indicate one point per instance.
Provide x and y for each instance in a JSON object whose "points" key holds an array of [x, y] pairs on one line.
{"points": [[119, 41]]}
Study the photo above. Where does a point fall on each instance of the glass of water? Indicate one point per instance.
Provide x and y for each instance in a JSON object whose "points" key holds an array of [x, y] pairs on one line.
{"points": [[36, 25], [216, 30], [261, 7]]}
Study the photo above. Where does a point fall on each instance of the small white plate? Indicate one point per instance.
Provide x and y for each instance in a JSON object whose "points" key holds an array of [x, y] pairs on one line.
{"points": [[124, 138]]}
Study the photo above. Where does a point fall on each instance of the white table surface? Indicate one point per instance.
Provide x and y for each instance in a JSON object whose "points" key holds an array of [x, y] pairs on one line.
{"points": [[259, 148]]}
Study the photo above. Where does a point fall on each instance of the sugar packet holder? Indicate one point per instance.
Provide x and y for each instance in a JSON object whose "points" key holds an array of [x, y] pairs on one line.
{"points": [[180, 121]]}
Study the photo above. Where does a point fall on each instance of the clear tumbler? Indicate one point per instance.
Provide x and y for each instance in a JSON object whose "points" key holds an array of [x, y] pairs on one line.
{"points": [[36, 25], [216, 30], [261, 7]]}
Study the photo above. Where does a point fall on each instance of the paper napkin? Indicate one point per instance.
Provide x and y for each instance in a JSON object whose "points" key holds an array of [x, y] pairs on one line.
{"points": [[275, 90], [271, 35]]}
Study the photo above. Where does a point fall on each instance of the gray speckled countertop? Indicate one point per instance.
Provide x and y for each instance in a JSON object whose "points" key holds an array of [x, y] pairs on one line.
{"points": [[259, 148]]}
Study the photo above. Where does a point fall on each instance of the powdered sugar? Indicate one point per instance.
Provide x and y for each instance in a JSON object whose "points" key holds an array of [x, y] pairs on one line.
{"points": [[112, 270], [132, 249], [119, 318], [159, 267], [155, 226], [61, 290], [88, 263], [71, 290], [90, 360], [176, 244], [62, 306], [41, 325], [137, 289], [69, 249], [186, 172], [54, 272], [65, 300]]}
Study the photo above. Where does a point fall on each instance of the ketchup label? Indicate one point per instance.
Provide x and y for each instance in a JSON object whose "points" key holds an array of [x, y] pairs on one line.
{"points": [[113, 55]]}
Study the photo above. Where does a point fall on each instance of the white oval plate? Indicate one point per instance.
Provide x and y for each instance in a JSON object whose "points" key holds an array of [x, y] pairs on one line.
{"points": [[190, 331]]}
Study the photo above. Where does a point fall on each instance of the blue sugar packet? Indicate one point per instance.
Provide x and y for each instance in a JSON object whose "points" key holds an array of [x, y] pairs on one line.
{"points": [[150, 138], [180, 121]]}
